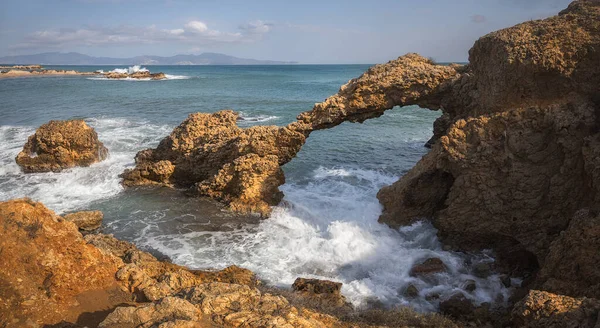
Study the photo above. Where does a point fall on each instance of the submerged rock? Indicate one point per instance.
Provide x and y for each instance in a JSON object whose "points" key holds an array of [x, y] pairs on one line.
{"points": [[58, 145]]}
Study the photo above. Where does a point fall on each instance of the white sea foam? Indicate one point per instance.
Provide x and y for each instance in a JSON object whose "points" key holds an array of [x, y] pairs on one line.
{"points": [[167, 77], [255, 118], [78, 187], [130, 70], [328, 229]]}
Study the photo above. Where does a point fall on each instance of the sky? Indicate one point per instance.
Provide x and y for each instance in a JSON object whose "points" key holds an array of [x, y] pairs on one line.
{"points": [[307, 31]]}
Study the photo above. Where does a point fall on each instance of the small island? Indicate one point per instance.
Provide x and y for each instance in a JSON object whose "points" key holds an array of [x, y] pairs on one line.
{"points": [[39, 70]]}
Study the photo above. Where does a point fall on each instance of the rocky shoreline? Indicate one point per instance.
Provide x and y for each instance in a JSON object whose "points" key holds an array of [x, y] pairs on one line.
{"points": [[513, 167]]}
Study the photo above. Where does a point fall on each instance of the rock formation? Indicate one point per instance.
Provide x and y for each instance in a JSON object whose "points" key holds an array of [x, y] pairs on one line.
{"points": [[58, 145], [517, 157], [241, 167], [136, 75], [85, 220], [210, 154]]}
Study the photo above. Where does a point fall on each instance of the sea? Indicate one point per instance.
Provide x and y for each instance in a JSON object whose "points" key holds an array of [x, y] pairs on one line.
{"points": [[326, 227]]}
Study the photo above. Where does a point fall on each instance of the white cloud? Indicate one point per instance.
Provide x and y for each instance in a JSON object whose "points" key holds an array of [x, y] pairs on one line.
{"points": [[194, 32], [196, 27]]}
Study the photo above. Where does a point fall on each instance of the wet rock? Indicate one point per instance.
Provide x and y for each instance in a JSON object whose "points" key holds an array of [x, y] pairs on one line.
{"points": [[482, 270], [470, 285], [457, 306], [505, 280], [542, 309], [136, 75], [429, 266], [85, 220], [411, 291], [58, 145], [321, 292]]}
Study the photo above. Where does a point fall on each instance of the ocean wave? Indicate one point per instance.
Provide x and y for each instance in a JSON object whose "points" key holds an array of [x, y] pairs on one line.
{"points": [[167, 77], [328, 229], [249, 118]]}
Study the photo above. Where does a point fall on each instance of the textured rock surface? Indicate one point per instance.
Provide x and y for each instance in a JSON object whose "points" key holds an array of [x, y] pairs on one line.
{"points": [[571, 267], [323, 293], [516, 150], [136, 75], [58, 145], [542, 309], [85, 220], [47, 268], [408, 80], [210, 154]]}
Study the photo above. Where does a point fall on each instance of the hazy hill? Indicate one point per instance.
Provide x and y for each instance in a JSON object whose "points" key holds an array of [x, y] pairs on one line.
{"points": [[74, 58]]}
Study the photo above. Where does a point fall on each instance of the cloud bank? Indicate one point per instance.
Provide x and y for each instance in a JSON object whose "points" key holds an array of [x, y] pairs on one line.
{"points": [[194, 33]]}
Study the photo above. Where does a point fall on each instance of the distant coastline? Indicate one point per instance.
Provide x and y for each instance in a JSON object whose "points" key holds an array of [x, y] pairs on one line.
{"points": [[74, 58]]}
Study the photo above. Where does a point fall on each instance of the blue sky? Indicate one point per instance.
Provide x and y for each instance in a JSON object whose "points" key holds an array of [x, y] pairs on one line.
{"points": [[306, 31]]}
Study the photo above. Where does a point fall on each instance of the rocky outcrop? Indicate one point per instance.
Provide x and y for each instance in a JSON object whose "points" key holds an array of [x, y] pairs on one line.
{"points": [[58, 145], [542, 309], [48, 268], [322, 293], [136, 75], [515, 152], [85, 220], [51, 274], [211, 155]]}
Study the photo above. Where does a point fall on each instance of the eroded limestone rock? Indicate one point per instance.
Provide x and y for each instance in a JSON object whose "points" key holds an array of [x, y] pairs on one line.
{"points": [[542, 309], [58, 145], [210, 154], [85, 220]]}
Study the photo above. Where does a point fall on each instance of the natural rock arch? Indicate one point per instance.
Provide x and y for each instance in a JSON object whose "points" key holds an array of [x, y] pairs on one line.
{"points": [[514, 154]]}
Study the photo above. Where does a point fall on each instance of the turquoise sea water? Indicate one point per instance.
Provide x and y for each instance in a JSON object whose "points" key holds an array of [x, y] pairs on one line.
{"points": [[325, 228]]}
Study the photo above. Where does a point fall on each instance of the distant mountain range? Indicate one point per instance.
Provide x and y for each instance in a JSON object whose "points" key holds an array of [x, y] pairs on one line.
{"points": [[74, 58]]}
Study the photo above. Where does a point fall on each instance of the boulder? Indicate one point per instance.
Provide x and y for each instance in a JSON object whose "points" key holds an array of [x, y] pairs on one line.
{"points": [[58, 145], [85, 220], [321, 293], [428, 267], [457, 306]]}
